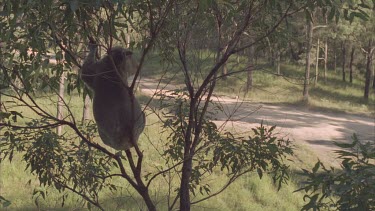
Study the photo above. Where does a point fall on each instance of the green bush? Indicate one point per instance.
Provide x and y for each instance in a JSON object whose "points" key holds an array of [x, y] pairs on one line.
{"points": [[352, 187]]}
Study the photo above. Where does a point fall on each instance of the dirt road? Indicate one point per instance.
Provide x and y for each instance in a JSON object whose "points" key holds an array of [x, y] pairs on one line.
{"points": [[316, 130]]}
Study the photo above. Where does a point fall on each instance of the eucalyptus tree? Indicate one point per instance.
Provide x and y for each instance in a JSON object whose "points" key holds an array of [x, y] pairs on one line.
{"points": [[31, 31], [368, 47], [182, 33]]}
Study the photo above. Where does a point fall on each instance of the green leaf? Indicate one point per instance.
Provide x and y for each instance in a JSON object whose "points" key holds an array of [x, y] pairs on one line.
{"points": [[312, 203], [346, 12], [260, 173], [316, 167], [4, 202], [363, 5], [361, 15], [345, 145]]}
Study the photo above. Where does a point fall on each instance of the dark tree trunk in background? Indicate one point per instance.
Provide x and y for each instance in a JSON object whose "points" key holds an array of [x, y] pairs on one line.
{"points": [[367, 78], [60, 103], [334, 57], [351, 65], [370, 52], [293, 53], [343, 61], [309, 37]]}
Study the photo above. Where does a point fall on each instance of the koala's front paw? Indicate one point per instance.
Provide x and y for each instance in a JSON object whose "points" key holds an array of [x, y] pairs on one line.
{"points": [[93, 46]]}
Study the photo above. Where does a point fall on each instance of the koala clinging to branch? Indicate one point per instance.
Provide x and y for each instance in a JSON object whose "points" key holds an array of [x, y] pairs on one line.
{"points": [[117, 113]]}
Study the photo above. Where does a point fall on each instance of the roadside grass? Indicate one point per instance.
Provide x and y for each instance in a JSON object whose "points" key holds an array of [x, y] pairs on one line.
{"points": [[331, 94], [247, 193]]}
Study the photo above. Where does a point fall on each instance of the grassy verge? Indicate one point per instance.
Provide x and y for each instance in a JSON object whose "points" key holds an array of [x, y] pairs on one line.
{"points": [[247, 193]]}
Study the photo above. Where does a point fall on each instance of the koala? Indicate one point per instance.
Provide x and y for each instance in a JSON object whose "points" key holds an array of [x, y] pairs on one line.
{"points": [[118, 115]]}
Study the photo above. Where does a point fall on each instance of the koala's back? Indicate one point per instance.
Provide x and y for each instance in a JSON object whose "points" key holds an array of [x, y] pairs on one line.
{"points": [[116, 117]]}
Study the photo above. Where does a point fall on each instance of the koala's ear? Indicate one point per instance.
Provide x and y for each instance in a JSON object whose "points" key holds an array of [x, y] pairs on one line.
{"points": [[128, 53]]}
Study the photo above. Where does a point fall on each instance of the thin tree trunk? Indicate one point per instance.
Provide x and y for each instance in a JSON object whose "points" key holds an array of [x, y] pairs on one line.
{"points": [[308, 60], [343, 61], [351, 65], [317, 62], [1, 80], [278, 60], [60, 103], [86, 109], [367, 77], [249, 84], [373, 73], [334, 57], [368, 70], [325, 59], [325, 52], [271, 57], [238, 54], [224, 69], [1, 109], [127, 37], [294, 55], [185, 181]]}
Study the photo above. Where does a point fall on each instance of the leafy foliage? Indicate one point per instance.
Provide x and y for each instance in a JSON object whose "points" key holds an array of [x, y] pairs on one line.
{"points": [[4, 202], [59, 162], [348, 188], [261, 152]]}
